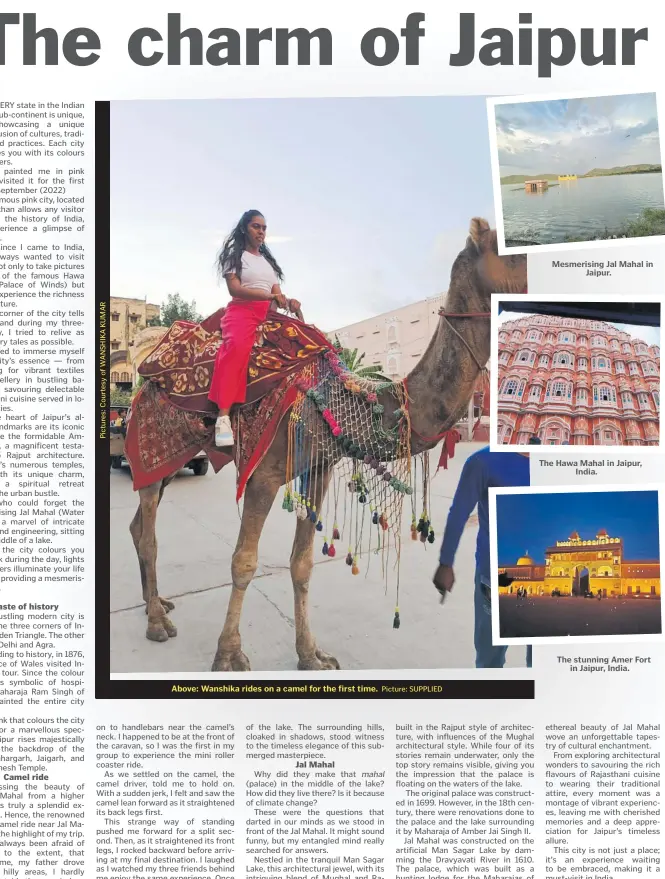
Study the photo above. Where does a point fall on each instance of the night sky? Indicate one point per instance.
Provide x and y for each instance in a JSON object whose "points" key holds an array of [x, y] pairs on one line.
{"points": [[535, 521]]}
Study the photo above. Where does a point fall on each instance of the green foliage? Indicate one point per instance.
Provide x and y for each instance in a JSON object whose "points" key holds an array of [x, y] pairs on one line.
{"points": [[121, 399], [650, 222], [175, 308], [354, 361]]}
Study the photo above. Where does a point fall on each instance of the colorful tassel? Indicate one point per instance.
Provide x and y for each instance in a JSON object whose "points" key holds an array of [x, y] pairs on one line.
{"points": [[396, 619], [336, 535], [319, 525], [325, 549], [430, 536], [332, 552], [375, 519], [354, 568], [349, 559]]}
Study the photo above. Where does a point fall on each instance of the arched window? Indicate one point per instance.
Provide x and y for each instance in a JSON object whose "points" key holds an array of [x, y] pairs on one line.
{"points": [[534, 393], [627, 398], [556, 389], [504, 357], [583, 341], [512, 388], [566, 336], [125, 377], [626, 348], [619, 367], [115, 377], [525, 356], [604, 394], [599, 340], [581, 395], [392, 334], [517, 335], [643, 401], [633, 368], [544, 360], [656, 398], [534, 336], [392, 366], [583, 363], [563, 359]]}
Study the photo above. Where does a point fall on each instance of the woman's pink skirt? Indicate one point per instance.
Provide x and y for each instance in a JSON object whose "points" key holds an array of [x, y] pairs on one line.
{"points": [[239, 324]]}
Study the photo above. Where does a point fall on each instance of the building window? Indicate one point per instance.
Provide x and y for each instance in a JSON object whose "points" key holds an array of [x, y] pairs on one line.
{"points": [[615, 344], [503, 337], [115, 346], [627, 398], [516, 336], [125, 377], [567, 337], [583, 341], [633, 369], [392, 366], [510, 388], [643, 401], [558, 389], [619, 367], [534, 394], [115, 377], [544, 360], [563, 359], [656, 399], [504, 358], [115, 315], [626, 348], [581, 395], [599, 340], [526, 357], [583, 363], [604, 394]]}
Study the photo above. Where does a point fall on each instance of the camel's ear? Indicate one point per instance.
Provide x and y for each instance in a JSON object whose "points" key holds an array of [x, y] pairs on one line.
{"points": [[479, 234]]}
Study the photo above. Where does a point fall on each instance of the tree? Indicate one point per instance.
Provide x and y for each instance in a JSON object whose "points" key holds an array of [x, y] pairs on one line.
{"points": [[353, 361], [175, 308]]}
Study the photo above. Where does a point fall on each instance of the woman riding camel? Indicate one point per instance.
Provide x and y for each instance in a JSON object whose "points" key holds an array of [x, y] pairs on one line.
{"points": [[253, 280]]}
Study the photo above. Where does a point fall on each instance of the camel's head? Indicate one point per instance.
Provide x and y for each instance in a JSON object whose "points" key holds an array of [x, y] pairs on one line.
{"points": [[479, 267]]}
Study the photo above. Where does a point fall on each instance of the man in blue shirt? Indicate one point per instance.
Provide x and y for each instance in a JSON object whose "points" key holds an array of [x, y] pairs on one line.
{"points": [[482, 471]]}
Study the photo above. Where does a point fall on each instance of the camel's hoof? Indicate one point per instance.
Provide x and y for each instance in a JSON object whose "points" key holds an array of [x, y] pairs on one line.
{"points": [[320, 662], [236, 662], [156, 632], [171, 630]]}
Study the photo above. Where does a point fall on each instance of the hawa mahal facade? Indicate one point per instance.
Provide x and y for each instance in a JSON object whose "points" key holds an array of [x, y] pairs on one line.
{"points": [[576, 382]]}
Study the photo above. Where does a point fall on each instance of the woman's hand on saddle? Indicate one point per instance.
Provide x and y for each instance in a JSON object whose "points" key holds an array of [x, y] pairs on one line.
{"points": [[281, 300], [294, 306]]}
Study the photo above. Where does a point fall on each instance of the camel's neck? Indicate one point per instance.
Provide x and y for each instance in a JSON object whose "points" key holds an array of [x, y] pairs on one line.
{"points": [[443, 382]]}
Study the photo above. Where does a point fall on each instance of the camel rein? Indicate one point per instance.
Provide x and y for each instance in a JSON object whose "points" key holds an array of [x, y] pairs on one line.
{"points": [[446, 315]]}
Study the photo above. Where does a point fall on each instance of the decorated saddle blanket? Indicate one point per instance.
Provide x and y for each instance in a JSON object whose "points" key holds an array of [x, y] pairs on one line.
{"points": [[182, 364], [171, 418]]}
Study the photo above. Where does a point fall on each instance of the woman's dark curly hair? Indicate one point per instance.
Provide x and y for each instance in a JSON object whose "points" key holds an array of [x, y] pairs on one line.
{"points": [[230, 256]]}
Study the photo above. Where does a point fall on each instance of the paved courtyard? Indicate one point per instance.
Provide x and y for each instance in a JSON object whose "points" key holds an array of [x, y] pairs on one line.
{"points": [[542, 616], [351, 616]]}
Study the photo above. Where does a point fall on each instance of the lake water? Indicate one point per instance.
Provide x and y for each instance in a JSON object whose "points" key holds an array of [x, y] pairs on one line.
{"points": [[580, 208]]}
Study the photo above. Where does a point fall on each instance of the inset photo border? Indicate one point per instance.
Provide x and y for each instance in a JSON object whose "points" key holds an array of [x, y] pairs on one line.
{"points": [[596, 608], [575, 303], [527, 246]]}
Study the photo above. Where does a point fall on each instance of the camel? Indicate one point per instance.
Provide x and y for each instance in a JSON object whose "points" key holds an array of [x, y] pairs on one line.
{"points": [[439, 389]]}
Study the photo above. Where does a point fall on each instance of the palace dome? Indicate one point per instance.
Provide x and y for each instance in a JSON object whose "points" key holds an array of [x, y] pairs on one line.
{"points": [[525, 559]]}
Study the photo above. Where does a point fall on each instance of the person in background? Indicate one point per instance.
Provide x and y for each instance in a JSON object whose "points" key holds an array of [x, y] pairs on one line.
{"points": [[482, 471]]}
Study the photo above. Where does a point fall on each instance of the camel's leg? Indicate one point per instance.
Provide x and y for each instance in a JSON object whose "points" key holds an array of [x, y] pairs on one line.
{"points": [[259, 497], [135, 529], [302, 561], [160, 627]]}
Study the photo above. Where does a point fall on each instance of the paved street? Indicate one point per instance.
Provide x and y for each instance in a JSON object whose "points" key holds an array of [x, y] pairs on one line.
{"points": [[351, 616]]}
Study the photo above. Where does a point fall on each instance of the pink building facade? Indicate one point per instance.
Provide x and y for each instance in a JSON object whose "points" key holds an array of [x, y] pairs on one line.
{"points": [[576, 382]]}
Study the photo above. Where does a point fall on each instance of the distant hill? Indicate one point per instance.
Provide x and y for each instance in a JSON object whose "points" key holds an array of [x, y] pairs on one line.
{"points": [[594, 172], [623, 169]]}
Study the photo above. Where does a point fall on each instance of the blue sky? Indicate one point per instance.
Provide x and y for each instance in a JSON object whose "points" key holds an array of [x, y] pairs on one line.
{"points": [[532, 522], [368, 201], [650, 335], [574, 136]]}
